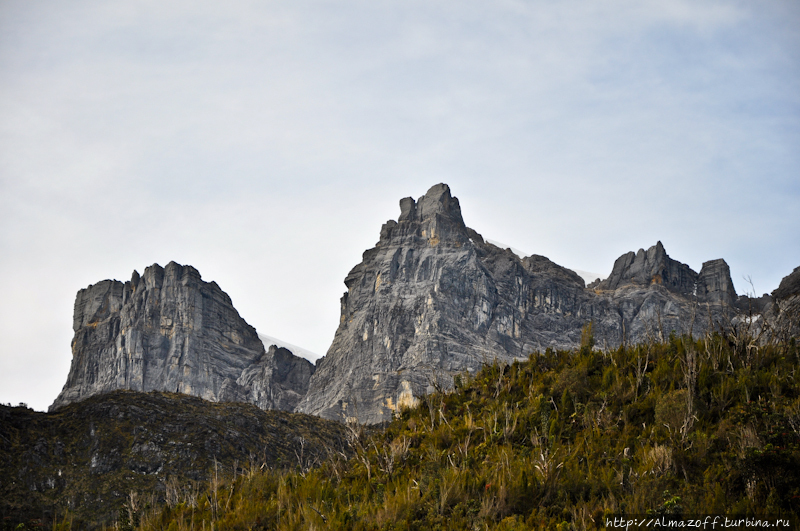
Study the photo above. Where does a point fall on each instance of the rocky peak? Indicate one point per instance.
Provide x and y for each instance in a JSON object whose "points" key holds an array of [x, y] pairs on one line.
{"points": [[789, 286], [435, 218], [433, 299], [97, 303], [168, 330], [714, 283], [278, 380], [653, 266], [785, 314], [436, 201], [543, 266]]}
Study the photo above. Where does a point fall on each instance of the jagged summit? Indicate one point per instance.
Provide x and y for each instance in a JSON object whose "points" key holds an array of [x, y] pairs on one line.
{"points": [[653, 266], [168, 330], [433, 299], [789, 286], [785, 313], [437, 201], [714, 283], [434, 218]]}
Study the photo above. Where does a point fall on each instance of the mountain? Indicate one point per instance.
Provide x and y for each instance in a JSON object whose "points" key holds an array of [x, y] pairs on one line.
{"points": [[433, 299], [785, 312], [430, 302], [89, 456], [168, 330]]}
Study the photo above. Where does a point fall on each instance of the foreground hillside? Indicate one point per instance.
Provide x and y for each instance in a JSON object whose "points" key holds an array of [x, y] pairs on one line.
{"points": [[562, 440], [85, 460]]}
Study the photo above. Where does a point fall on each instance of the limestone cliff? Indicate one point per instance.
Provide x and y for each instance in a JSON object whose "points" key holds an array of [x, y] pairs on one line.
{"points": [[714, 283], [653, 266], [433, 299], [168, 330], [784, 314], [277, 380]]}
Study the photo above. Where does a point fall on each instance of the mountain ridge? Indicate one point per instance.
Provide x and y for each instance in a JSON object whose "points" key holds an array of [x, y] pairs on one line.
{"points": [[430, 300], [433, 299]]}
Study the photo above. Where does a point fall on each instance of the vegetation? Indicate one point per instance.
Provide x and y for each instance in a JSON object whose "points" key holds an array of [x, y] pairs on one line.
{"points": [[87, 460], [563, 440]]}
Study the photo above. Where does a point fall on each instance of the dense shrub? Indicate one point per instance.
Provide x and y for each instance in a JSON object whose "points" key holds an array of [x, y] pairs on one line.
{"points": [[560, 441]]}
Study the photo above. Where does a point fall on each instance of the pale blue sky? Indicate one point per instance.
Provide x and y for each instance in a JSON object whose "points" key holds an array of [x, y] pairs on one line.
{"points": [[265, 143]]}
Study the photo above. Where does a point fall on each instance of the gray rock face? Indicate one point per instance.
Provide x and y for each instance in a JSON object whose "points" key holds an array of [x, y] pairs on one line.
{"points": [[277, 380], [168, 330], [714, 283], [432, 299], [784, 314], [653, 266], [789, 286]]}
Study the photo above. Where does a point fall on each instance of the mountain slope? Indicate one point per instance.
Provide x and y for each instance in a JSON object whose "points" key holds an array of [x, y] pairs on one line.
{"points": [[564, 440], [90, 455]]}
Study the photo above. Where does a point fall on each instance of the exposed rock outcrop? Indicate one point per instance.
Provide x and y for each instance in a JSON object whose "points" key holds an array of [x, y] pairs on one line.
{"points": [[433, 299], [785, 311], [789, 286], [714, 283], [277, 380], [168, 330], [653, 266]]}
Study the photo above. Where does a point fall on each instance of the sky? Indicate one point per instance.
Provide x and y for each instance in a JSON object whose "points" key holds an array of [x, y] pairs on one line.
{"points": [[265, 142]]}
